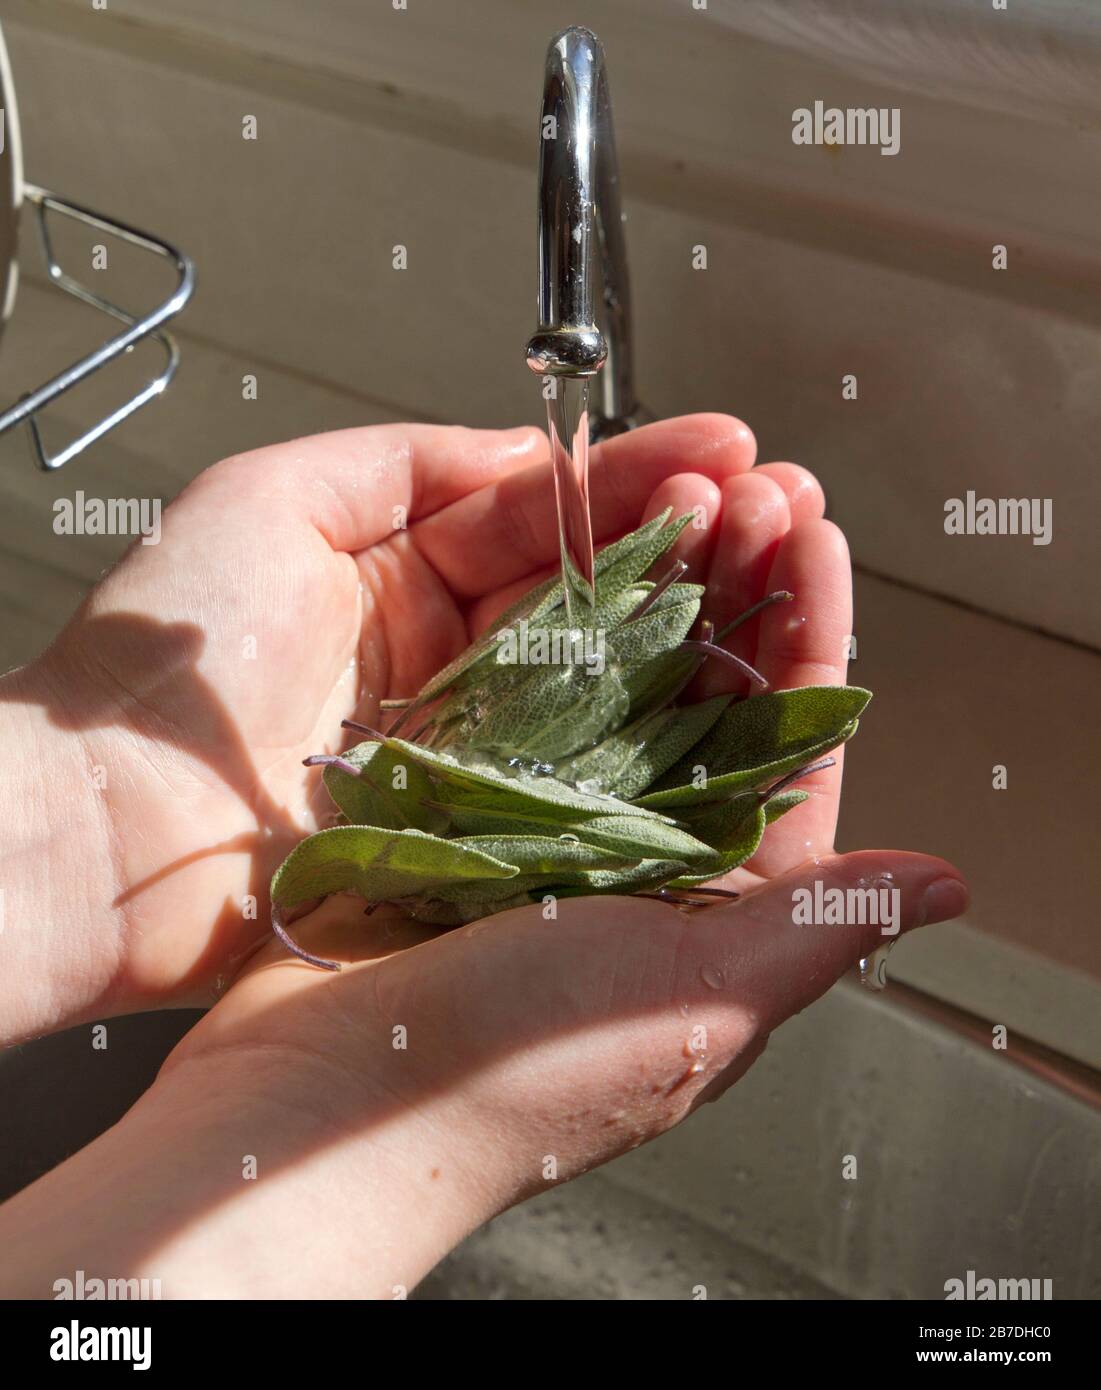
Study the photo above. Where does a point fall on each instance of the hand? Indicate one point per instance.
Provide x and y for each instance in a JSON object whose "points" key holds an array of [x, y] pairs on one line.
{"points": [[163, 733], [333, 1136], [525, 1041]]}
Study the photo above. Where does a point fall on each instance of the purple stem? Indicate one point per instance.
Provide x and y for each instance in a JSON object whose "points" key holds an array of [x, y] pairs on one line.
{"points": [[670, 577], [332, 760], [710, 649], [713, 892], [780, 596], [799, 772], [357, 728], [288, 941]]}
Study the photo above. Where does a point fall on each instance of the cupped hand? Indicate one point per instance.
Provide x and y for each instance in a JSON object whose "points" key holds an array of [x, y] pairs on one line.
{"points": [[301, 584], [439, 1077]]}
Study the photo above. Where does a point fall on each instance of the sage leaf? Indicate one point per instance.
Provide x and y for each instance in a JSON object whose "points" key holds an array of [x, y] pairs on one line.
{"points": [[379, 865], [757, 740], [742, 834], [392, 792], [626, 763]]}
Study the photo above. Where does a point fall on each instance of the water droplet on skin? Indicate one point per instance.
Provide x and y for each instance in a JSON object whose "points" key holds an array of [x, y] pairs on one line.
{"points": [[684, 1010], [712, 976], [884, 880], [873, 968]]}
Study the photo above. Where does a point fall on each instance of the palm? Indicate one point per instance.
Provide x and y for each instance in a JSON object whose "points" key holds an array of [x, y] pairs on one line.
{"points": [[300, 585]]}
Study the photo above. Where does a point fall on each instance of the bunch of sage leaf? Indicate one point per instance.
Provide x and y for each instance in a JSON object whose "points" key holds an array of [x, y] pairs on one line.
{"points": [[529, 781]]}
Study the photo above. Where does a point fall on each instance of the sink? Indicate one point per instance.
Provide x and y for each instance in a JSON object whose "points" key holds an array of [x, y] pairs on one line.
{"points": [[964, 1160]]}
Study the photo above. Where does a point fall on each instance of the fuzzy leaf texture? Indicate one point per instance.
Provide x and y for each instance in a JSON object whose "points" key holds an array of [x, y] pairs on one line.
{"points": [[576, 772]]}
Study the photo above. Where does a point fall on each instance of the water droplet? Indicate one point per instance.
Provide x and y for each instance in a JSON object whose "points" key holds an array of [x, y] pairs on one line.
{"points": [[712, 976], [873, 968], [569, 839]]}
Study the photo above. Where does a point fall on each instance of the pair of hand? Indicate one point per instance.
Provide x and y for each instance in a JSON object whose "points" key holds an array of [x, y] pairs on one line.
{"points": [[391, 1108]]}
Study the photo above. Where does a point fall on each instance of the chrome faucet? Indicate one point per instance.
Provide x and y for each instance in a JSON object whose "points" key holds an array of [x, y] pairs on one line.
{"points": [[579, 200]]}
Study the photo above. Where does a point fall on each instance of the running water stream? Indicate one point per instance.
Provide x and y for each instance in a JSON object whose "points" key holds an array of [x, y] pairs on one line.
{"points": [[568, 434]]}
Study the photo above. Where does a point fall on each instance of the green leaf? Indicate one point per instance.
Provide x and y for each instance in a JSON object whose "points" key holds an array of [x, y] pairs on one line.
{"points": [[641, 837], [373, 798], [551, 713], [599, 770], [379, 865], [616, 567], [525, 780], [555, 869], [739, 836], [626, 763], [563, 855], [650, 685], [758, 740], [646, 837], [661, 628], [629, 559], [476, 783], [782, 803], [687, 726], [742, 841]]}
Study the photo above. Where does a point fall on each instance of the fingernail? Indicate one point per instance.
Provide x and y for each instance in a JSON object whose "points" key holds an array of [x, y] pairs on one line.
{"points": [[944, 899]]}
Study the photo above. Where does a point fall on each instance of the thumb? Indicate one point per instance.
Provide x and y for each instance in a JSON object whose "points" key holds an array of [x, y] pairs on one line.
{"points": [[534, 1044], [584, 1036]]}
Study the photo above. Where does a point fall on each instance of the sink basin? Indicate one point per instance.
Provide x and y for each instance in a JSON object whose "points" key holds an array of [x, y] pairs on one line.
{"points": [[963, 1160]]}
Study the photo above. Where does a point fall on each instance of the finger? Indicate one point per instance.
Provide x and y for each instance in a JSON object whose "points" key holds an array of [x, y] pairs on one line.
{"points": [[669, 1008], [359, 486], [682, 494], [755, 518], [805, 642], [411, 626], [511, 1054], [810, 925], [806, 500], [506, 531], [484, 612]]}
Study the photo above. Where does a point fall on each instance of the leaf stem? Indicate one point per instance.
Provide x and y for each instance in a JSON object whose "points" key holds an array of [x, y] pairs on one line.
{"points": [[713, 892], [332, 760], [289, 942], [358, 728], [795, 776], [710, 649], [780, 596], [670, 577]]}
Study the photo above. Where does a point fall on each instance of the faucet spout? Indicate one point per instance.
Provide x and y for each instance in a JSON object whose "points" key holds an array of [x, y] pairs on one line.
{"points": [[579, 205]]}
